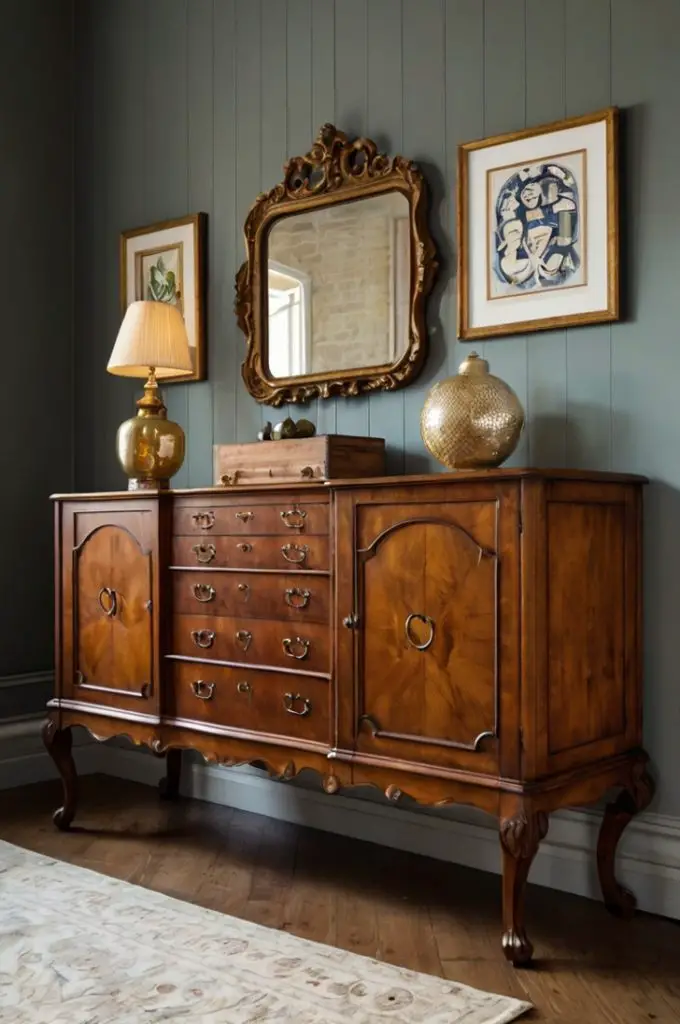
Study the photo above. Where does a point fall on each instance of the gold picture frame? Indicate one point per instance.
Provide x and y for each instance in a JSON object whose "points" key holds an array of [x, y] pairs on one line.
{"points": [[538, 249], [165, 262]]}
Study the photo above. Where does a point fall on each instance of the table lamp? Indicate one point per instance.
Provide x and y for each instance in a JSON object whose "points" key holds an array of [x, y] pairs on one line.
{"points": [[152, 342]]}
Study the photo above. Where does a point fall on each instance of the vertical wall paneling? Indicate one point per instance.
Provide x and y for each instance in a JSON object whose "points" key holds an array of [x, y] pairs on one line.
{"points": [[200, 161], [323, 112], [300, 130], [225, 246], [385, 123], [505, 67], [546, 350], [351, 73], [274, 120], [36, 411], [424, 91], [247, 157], [464, 122], [166, 166], [645, 353], [588, 366]]}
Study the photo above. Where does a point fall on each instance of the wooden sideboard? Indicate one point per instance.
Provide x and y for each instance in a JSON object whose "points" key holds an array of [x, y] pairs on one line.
{"points": [[468, 637]]}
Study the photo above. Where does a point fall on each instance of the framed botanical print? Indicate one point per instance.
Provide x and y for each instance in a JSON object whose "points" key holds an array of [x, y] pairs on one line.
{"points": [[166, 263], [538, 228]]}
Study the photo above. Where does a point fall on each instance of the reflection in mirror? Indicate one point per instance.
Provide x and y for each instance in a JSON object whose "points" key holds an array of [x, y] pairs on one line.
{"points": [[339, 287]]}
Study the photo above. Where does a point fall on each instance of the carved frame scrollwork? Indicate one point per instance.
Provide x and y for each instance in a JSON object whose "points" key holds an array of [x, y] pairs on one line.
{"points": [[335, 170]]}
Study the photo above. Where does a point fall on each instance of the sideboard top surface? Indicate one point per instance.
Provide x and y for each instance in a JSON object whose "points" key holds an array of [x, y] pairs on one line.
{"points": [[462, 476]]}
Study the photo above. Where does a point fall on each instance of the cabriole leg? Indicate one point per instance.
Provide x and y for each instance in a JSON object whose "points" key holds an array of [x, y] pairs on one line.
{"points": [[521, 833], [635, 797], [58, 744]]}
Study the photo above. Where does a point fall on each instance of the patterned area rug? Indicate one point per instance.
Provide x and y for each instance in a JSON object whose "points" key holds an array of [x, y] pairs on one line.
{"points": [[77, 947]]}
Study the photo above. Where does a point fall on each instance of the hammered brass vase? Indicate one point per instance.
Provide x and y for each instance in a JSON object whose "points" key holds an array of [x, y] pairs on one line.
{"points": [[473, 420]]}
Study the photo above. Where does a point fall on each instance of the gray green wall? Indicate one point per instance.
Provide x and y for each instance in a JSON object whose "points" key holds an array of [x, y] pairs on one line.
{"points": [[36, 264], [186, 106]]}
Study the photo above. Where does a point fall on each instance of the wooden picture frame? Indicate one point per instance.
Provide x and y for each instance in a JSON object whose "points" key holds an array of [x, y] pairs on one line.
{"points": [[538, 228], [165, 262], [337, 170]]}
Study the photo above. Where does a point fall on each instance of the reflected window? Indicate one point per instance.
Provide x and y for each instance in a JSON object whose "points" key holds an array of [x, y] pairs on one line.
{"points": [[289, 321]]}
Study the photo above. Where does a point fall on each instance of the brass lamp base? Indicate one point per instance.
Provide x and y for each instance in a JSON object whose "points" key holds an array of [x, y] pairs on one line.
{"points": [[150, 447]]}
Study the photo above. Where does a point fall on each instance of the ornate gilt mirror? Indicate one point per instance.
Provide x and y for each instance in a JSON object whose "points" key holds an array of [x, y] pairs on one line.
{"points": [[331, 297]]}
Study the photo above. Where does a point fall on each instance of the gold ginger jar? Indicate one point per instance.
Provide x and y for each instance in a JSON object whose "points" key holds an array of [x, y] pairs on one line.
{"points": [[473, 420]]}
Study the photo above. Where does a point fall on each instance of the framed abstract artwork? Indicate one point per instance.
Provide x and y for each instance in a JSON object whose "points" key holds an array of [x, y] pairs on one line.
{"points": [[166, 263], [538, 228]]}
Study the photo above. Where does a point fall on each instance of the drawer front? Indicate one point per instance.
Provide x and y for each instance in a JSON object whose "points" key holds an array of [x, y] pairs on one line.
{"points": [[267, 702], [254, 642], [229, 552], [283, 516], [299, 598]]}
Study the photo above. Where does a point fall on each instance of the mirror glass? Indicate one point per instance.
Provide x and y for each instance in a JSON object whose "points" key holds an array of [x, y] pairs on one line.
{"points": [[339, 287]]}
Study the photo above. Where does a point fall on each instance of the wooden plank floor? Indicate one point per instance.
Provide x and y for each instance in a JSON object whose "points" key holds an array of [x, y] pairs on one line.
{"points": [[407, 910]]}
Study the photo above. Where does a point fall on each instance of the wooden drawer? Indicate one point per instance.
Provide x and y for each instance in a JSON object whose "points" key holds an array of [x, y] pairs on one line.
{"points": [[299, 598], [229, 552], [282, 515], [264, 702], [253, 642]]}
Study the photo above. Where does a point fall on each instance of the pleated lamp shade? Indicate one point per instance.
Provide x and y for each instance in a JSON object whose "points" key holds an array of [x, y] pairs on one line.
{"points": [[152, 334]]}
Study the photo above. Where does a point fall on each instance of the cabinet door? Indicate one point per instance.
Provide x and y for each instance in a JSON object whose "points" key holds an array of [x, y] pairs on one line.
{"points": [[108, 604], [427, 637]]}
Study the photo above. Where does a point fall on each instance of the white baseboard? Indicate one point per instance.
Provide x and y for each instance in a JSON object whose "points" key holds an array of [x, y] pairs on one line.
{"points": [[649, 852]]}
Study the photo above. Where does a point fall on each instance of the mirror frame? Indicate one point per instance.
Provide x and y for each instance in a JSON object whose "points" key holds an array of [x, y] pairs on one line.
{"points": [[336, 170]]}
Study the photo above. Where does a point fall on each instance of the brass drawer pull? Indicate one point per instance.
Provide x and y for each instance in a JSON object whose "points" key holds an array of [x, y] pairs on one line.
{"points": [[296, 598], [204, 553], [243, 687], [110, 606], [203, 592], [203, 690], [290, 699], [203, 637], [295, 553], [244, 589], [294, 518], [302, 647], [244, 516], [409, 636], [204, 520], [244, 639], [244, 547]]}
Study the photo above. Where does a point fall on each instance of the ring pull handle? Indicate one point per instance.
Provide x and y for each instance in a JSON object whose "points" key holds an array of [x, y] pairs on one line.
{"points": [[296, 647], [203, 637], [409, 635], [243, 687], [296, 598], [244, 639], [203, 592], [244, 547], [203, 690], [294, 518], [295, 553], [110, 605], [204, 553], [204, 520], [244, 516], [291, 699], [244, 589]]}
